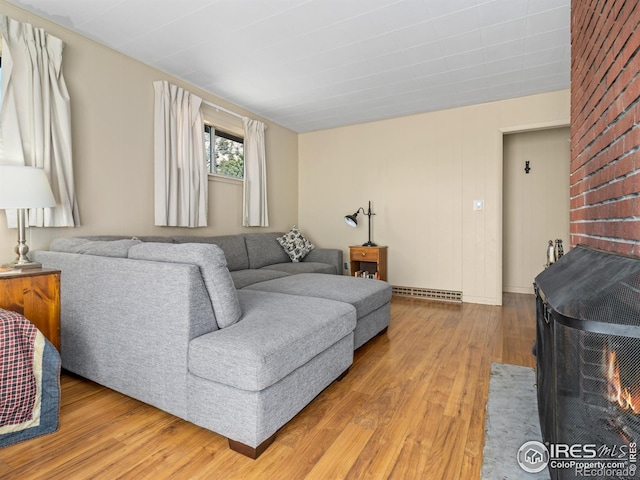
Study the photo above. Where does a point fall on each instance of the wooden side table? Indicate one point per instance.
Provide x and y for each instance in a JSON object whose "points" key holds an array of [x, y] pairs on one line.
{"points": [[35, 294], [370, 259]]}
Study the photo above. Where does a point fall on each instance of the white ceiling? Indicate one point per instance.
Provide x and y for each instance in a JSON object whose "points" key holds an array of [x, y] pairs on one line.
{"points": [[316, 64]]}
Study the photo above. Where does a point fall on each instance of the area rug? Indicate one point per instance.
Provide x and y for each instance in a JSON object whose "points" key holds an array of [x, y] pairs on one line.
{"points": [[511, 421]]}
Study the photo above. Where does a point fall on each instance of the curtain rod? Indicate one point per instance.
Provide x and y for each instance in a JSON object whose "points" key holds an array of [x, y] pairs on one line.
{"points": [[218, 107]]}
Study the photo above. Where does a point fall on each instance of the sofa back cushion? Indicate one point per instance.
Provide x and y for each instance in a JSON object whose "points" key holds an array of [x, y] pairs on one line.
{"points": [[144, 238], [233, 247], [263, 249], [103, 248], [213, 267]]}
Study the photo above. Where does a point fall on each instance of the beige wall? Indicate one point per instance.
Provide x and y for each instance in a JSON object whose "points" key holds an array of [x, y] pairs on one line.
{"points": [[422, 174], [112, 128], [535, 205]]}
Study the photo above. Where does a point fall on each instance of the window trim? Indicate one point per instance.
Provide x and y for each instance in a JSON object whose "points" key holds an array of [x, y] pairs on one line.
{"points": [[227, 135]]}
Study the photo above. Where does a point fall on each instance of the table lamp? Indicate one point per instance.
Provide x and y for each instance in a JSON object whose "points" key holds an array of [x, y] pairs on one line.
{"points": [[22, 188], [352, 221]]}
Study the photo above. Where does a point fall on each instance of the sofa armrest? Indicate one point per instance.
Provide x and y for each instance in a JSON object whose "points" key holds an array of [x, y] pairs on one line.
{"points": [[332, 256]]}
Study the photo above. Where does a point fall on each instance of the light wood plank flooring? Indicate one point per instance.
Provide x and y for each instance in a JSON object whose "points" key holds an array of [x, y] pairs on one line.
{"points": [[411, 407]]}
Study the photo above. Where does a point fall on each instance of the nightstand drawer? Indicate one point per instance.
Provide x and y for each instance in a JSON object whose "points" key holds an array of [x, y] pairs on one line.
{"points": [[364, 254]]}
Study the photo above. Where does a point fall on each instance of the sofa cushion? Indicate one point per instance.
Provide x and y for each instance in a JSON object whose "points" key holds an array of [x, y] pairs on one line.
{"points": [[263, 249], [276, 335], [364, 294], [103, 248], [295, 244], [155, 238], [144, 238], [233, 247], [242, 278], [292, 268], [213, 268]]}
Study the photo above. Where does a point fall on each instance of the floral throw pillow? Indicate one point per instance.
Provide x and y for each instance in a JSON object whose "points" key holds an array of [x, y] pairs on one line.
{"points": [[295, 244]]}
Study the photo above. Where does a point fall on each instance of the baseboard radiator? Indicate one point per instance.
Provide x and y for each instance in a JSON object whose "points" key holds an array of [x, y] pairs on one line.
{"points": [[428, 293]]}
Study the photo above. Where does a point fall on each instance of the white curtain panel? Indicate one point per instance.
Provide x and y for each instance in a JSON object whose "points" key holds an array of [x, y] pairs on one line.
{"points": [[35, 117], [180, 166], [255, 212]]}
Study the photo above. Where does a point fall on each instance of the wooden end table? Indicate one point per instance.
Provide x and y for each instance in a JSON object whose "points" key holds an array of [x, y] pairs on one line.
{"points": [[369, 259], [35, 294]]}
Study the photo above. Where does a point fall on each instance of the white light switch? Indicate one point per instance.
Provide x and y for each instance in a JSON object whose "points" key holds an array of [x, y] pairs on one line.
{"points": [[478, 205]]}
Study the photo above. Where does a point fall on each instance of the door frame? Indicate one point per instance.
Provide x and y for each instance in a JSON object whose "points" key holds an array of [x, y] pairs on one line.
{"points": [[499, 234]]}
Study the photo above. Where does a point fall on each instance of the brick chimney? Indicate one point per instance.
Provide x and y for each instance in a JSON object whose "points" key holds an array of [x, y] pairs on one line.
{"points": [[605, 125]]}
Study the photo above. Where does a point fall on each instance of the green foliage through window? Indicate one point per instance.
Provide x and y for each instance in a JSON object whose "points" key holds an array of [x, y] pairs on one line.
{"points": [[225, 155]]}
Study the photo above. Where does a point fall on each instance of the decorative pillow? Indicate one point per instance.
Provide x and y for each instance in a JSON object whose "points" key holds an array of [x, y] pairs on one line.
{"points": [[295, 244]]}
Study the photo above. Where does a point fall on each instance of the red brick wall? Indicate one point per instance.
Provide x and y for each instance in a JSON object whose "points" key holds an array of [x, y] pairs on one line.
{"points": [[605, 125]]}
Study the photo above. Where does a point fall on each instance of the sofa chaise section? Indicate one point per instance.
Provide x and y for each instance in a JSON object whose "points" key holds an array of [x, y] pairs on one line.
{"points": [[269, 366], [370, 298]]}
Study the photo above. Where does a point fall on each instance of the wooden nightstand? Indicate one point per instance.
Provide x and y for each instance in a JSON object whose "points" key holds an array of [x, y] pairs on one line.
{"points": [[34, 293], [371, 259]]}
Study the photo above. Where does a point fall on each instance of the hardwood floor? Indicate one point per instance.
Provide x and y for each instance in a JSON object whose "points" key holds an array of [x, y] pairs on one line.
{"points": [[411, 407]]}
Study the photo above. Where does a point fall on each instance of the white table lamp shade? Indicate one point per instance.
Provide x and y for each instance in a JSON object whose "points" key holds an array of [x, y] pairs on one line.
{"points": [[24, 187]]}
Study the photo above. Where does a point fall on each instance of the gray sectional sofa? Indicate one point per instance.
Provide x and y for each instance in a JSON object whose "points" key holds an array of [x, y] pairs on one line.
{"points": [[225, 332]]}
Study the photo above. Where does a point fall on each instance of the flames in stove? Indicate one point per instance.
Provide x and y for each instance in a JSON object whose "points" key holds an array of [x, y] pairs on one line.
{"points": [[618, 391]]}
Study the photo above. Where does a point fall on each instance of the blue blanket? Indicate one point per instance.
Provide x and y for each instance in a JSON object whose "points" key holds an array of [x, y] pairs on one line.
{"points": [[29, 381]]}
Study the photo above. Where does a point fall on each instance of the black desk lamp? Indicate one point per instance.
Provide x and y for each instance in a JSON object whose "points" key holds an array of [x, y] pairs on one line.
{"points": [[352, 221]]}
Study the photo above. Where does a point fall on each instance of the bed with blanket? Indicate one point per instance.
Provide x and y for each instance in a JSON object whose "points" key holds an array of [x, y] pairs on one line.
{"points": [[29, 381]]}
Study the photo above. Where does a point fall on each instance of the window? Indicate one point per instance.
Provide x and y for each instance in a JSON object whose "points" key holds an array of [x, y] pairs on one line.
{"points": [[224, 153]]}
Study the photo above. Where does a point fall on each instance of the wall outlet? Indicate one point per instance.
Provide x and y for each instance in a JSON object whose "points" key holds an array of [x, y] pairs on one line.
{"points": [[478, 205], [346, 266]]}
